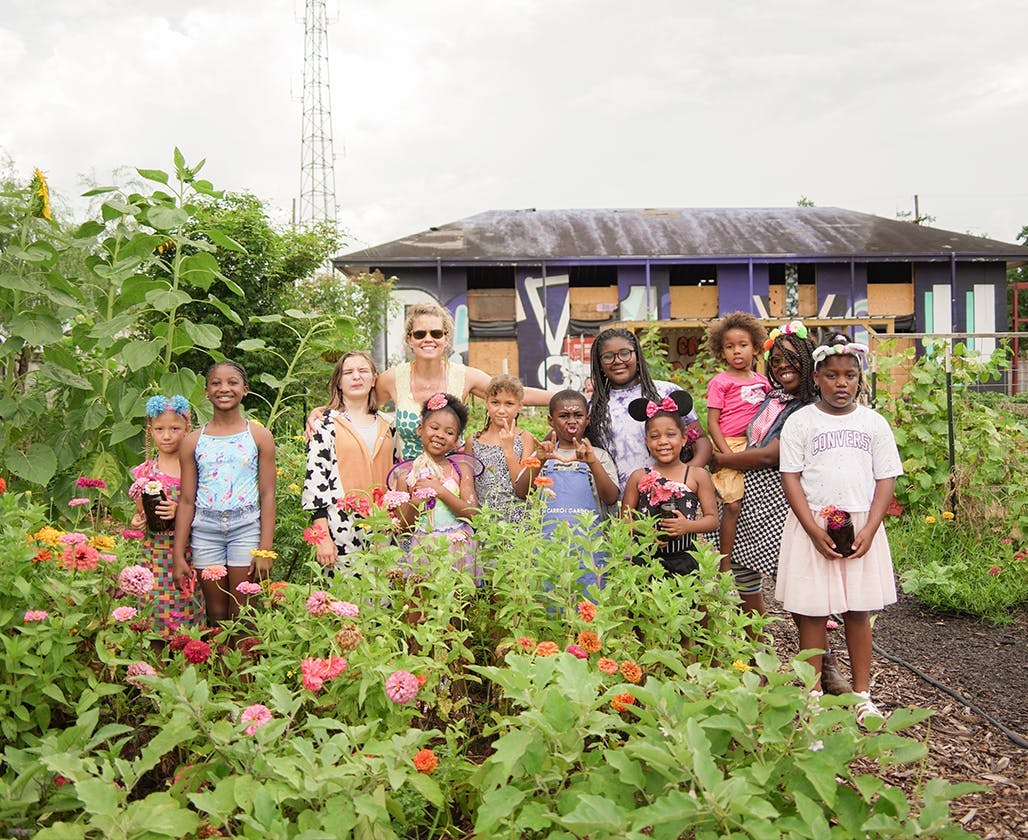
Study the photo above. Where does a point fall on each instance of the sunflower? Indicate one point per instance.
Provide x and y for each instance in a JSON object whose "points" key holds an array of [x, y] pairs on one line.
{"points": [[40, 195]]}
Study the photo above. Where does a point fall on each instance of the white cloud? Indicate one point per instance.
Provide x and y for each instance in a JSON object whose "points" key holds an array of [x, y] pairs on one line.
{"points": [[446, 109]]}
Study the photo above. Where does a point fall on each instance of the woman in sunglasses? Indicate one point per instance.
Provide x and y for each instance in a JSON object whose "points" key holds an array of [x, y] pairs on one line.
{"points": [[620, 375], [428, 331]]}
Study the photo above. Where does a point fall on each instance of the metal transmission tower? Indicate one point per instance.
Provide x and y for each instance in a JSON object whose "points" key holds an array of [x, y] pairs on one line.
{"points": [[317, 159]]}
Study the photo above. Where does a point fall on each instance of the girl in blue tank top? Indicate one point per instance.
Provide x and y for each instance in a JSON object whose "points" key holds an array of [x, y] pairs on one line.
{"points": [[226, 513]]}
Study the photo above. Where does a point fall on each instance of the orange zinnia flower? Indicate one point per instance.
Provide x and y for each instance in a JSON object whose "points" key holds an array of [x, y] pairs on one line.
{"points": [[546, 648], [622, 701], [543, 481], [589, 641], [608, 666], [531, 463], [425, 761], [586, 610], [630, 671]]}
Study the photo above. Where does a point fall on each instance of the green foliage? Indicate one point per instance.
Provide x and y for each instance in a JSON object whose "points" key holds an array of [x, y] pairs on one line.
{"points": [[366, 299], [990, 462], [527, 744], [954, 566], [97, 317]]}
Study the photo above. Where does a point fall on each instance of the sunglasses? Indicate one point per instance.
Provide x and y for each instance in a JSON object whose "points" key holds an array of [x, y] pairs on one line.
{"points": [[417, 335], [625, 353]]}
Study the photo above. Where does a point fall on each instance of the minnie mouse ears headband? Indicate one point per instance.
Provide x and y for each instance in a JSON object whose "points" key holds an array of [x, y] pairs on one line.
{"points": [[156, 406], [794, 327], [677, 402]]}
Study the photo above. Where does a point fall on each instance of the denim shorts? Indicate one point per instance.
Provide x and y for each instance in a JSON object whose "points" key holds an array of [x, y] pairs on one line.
{"points": [[225, 537]]}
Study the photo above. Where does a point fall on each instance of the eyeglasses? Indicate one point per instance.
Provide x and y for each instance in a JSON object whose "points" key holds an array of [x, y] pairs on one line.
{"points": [[417, 335], [625, 353]]}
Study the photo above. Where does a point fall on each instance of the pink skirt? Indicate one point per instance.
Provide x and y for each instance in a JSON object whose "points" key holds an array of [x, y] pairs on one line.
{"points": [[810, 584]]}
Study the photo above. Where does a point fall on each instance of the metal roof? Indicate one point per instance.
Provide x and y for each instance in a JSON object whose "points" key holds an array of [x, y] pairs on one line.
{"points": [[689, 234]]}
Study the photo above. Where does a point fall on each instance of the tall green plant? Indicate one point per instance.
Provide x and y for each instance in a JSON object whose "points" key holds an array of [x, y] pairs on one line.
{"points": [[92, 321]]}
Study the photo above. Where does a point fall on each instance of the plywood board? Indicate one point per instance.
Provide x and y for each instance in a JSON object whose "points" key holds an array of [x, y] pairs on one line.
{"points": [[890, 298], [488, 354], [491, 304], [592, 303], [694, 302]]}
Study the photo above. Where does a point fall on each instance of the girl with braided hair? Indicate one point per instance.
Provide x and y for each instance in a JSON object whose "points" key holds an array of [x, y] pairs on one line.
{"points": [[620, 375]]}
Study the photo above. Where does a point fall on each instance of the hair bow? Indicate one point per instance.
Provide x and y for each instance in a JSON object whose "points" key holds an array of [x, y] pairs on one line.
{"points": [[851, 348], [794, 327], [156, 406], [666, 404]]}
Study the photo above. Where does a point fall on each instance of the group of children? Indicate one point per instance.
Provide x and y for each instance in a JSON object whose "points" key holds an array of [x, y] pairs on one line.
{"points": [[637, 441]]}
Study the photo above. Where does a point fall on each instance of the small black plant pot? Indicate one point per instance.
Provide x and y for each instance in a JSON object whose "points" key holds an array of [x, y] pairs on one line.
{"points": [[843, 537], [155, 523]]}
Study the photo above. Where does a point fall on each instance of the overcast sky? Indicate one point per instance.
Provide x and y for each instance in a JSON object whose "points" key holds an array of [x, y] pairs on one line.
{"points": [[443, 109]]}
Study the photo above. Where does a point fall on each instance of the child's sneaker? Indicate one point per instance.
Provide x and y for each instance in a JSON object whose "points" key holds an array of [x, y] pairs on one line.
{"points": [[866, 708]]}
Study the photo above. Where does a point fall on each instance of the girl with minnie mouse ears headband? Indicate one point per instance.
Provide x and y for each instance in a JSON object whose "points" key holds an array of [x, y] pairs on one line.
{"points": [[682, 499]]}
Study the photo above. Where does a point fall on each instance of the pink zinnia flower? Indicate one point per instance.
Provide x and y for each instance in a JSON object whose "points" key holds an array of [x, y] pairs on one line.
{"points": [[394, 498], [77, 502], [316, 672], [256, 715], [424, 494], [73, 538], [109, 558], [36, 615], [318, 603], [576, 651], [132, 534], [345, 609], [124, 613], [995, 570], [213, 573], [831, 625], [139, 669], [401, 686], [99, 483], [314, 535], [80, 557], [525, 643], [607, 665], [248, 588], [458, 536], [136, 580]]}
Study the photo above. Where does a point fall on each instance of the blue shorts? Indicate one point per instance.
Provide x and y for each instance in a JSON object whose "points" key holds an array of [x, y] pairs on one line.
{"points": [[225, 537]]}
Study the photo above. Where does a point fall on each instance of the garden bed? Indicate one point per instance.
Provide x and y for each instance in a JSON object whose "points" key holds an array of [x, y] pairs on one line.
{"points": [[984, 663]]}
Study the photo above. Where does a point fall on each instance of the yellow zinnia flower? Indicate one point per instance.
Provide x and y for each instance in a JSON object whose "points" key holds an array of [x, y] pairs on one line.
{"points": [[102, 542], [739, 665], [49, 536], [946, 514], [930, 520], [295, 488]]}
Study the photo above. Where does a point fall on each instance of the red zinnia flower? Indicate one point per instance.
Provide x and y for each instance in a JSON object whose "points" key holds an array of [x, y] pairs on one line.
{"points": [[43, 556], [179, 642], [196, 651], [3, 489]]}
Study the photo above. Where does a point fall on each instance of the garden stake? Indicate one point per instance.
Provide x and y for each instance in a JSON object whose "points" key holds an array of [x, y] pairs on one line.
{"points": [[949, 418]]}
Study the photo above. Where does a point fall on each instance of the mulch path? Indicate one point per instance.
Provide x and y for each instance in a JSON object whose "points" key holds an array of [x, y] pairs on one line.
{"points": [[985, 664]]}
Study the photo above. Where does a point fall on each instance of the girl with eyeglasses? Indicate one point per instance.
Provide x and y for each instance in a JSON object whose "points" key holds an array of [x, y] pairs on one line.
{"points": [[620, 375]]}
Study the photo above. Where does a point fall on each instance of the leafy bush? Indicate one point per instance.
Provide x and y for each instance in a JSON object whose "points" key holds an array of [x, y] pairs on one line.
{"points": [[989, 456], [515, 709], [958, 567]]}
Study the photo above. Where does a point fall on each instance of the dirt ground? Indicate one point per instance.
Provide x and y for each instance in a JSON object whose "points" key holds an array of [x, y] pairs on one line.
{"points": [[988, 665]]}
